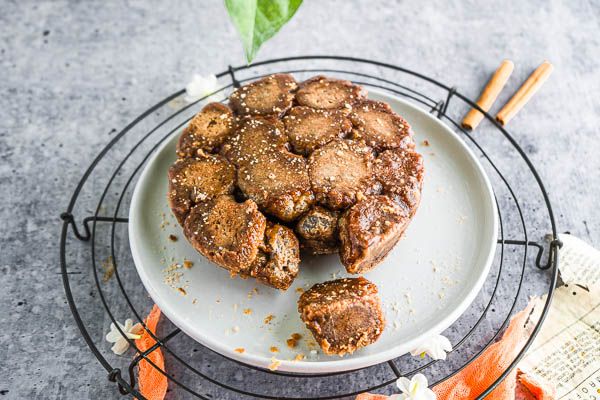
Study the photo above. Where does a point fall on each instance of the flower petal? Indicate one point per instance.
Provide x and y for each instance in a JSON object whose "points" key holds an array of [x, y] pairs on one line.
{"points": [[420, 379], [403, 384], [446, 345], [429, 394], [137, 329], [120, 347]]}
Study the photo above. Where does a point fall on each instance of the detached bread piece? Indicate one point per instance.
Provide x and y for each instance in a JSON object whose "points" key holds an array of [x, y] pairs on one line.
{"points": [[254, 136], [327, 93], [309, 128], [270, 95], [400, 172], [278, 182], [343, 315], [226, 232], [198, 179], [276, 263], [318, 230], [379, 126], [342, 171], [369, 230], [206, 131]]}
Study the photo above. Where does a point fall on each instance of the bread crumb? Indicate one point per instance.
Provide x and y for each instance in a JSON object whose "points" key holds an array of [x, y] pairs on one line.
{"points": [[426, 143], [299, 357], [239, 350], [247, 311], [275, 363], [268, 319], [182, 291], [172, 238], [109, 269], [292, 342], [274, 349], [187, 264]]}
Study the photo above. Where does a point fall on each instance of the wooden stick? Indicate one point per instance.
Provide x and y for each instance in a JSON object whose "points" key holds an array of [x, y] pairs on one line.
{"points": [[489, 94], [525, 92]]}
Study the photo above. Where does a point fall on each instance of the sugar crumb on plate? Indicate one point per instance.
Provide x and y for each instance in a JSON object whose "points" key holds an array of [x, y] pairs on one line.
{"points": [[275, 363], [292, 342]]}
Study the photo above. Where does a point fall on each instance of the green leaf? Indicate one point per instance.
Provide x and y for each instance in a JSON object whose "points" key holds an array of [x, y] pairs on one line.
{"points": [[259, 20]]}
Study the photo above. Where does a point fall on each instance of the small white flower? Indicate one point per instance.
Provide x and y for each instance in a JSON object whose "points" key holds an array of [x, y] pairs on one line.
{"points": [[434, 346], [414, 389], [120, 343], [202, 86]]}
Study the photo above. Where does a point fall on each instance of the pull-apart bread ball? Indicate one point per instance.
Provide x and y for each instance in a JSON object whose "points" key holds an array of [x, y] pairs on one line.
{"points": [[379, 126], [401, 175], [226, 232], [308, 128], [369, 230], [253, 138], [340, 171], [276, 263], [326, 93], [343, 315], [278, 182], [270, 95], [318, 230], [198, 179], [206, 131]]}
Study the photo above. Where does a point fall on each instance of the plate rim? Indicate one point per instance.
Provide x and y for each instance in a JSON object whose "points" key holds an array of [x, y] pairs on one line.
{"points": [[340, 364]]}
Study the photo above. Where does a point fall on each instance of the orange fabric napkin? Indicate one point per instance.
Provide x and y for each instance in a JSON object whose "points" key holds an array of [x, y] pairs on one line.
{"points": [[484, 370], [152, 383]]}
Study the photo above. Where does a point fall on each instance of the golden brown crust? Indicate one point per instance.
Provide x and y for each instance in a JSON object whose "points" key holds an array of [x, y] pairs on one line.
{"points": [[318, 230], [206, 131], [369, 230], [277, 262], [401, 175], [327, 93], [309, 128], [254, 136], [278, 182], [270, 95], [343, 315], [226, 232], [194, 180], [341, 171], [379, 126]]}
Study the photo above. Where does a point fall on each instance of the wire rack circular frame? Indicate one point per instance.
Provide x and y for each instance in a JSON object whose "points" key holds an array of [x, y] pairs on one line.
{"points": [[516, 272]]}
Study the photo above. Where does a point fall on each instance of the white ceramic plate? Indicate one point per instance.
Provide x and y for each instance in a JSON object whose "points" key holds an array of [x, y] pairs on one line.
{"points": [[425, 283]]}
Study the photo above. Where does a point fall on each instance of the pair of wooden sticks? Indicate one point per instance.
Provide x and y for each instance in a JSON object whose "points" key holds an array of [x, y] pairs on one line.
{"points": [[519, 99]]}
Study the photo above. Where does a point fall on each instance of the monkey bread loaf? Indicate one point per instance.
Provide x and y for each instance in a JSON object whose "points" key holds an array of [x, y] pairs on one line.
{"points": [[287, 166]]}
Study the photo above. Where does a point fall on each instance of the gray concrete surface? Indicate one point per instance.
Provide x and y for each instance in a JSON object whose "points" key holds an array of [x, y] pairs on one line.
{"points": [[72, 73]]}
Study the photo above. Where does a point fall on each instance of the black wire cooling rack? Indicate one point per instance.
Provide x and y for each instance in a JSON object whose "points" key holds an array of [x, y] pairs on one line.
{"points": [[94, 229]]}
